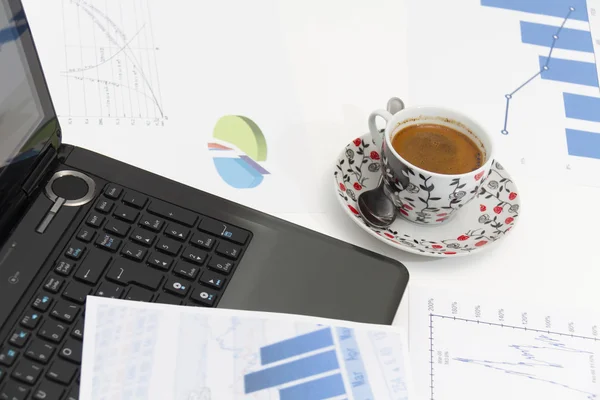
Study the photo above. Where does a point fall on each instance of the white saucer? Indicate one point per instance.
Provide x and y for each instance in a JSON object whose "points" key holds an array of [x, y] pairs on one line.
{"points": [[482, 222]]}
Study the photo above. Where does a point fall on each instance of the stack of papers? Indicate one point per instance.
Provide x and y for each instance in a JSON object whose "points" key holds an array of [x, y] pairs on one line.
{"points": [[135, 350]]}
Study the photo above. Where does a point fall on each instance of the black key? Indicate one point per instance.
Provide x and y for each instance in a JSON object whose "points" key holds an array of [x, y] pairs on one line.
{"points": [[139, 294], [64, 267], [53, 284], [19, 338], [113, 192], [168, 246], [160, 260], [74, 393], [220, 264], [27, 372], [86, 234], [203, 240], [52, 331], [31, 319], [77, 331], [126, 213], [173, 213], [142, 237], [220, 229], [71, 351], [135, 199], [194, 255], [117, 227], [42, 302], [133, 251], [62, 372], [212, 279], [110, 290], [14, 391], [125, 272], [93, 266], [166, 298], [186, 270], [177, 232], [204, 296], [48, 391], [229, 250], [39, 351], [75, 250], [65, 311], [104, 206], [177, 286], [95, 220], [152, 223], [8, 355], [77, 292], [108, 242]]}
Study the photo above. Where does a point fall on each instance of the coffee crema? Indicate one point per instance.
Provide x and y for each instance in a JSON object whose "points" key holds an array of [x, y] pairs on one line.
{"points": [[438, 148]]}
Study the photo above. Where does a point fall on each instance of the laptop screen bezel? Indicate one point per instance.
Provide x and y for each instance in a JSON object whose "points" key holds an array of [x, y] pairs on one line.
{"points": [[48, 133]]}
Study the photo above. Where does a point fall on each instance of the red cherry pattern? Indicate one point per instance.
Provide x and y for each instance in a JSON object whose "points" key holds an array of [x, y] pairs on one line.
{"points": [[478, 240]]}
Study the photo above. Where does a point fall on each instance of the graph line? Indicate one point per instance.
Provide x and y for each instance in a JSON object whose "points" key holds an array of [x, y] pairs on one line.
{"points": [[545, 67], [527, 352], [90, 9]]}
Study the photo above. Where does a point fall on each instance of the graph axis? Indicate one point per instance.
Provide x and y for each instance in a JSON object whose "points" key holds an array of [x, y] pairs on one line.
{"points": [[544, 67], [483, 322]]}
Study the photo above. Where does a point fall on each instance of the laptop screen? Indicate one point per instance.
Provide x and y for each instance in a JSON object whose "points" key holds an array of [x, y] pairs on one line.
{"points": [[27, 118]]}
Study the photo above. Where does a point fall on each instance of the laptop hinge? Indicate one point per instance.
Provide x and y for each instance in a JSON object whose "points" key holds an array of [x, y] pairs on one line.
{"points": [[39, 172]]}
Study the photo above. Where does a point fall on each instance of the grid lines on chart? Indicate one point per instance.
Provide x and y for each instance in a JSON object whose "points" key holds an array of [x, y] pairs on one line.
{"points": [[111, 67], [542, 339]]}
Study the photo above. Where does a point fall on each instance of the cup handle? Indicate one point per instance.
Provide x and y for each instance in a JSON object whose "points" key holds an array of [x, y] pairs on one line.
{"points": [[376, 135]]}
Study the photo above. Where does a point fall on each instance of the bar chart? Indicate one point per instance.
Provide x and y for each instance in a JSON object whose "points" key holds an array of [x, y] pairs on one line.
{"points": [[574, 75], [314, 364]]}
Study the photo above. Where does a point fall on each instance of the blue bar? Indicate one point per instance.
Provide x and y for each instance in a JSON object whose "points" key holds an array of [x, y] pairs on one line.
{"points": [[569, 39], [296, 346], [299, 369], [569, 71], [356, 373], [323, 388], [583, 144], [582, 107], [553, 8]]}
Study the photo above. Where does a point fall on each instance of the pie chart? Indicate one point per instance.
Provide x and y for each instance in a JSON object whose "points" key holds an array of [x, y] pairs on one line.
{"points": [[238, 147]]}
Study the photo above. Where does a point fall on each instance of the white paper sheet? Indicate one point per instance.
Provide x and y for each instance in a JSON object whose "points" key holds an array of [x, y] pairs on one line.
{"points": [[473, 345], [135, 350]]}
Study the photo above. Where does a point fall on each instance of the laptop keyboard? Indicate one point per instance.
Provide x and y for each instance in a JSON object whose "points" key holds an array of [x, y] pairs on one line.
{"points": [[129, 247]]}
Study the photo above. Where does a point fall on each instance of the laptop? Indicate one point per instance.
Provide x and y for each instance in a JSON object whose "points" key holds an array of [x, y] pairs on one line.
{"points": [[74, 223]]}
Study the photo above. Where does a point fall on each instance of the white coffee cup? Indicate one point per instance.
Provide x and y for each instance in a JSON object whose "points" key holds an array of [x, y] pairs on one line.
{"points": [[419, 195]]}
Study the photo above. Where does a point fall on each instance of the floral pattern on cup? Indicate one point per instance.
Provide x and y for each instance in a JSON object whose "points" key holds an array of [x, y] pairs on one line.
{"points": [[418, 201], [497, 199]]}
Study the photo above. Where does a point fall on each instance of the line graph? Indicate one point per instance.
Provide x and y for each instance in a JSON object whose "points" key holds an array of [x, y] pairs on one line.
{"points": [[111, 63], [539, 357], [576, 68], [544, 67], [480, 346]]}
